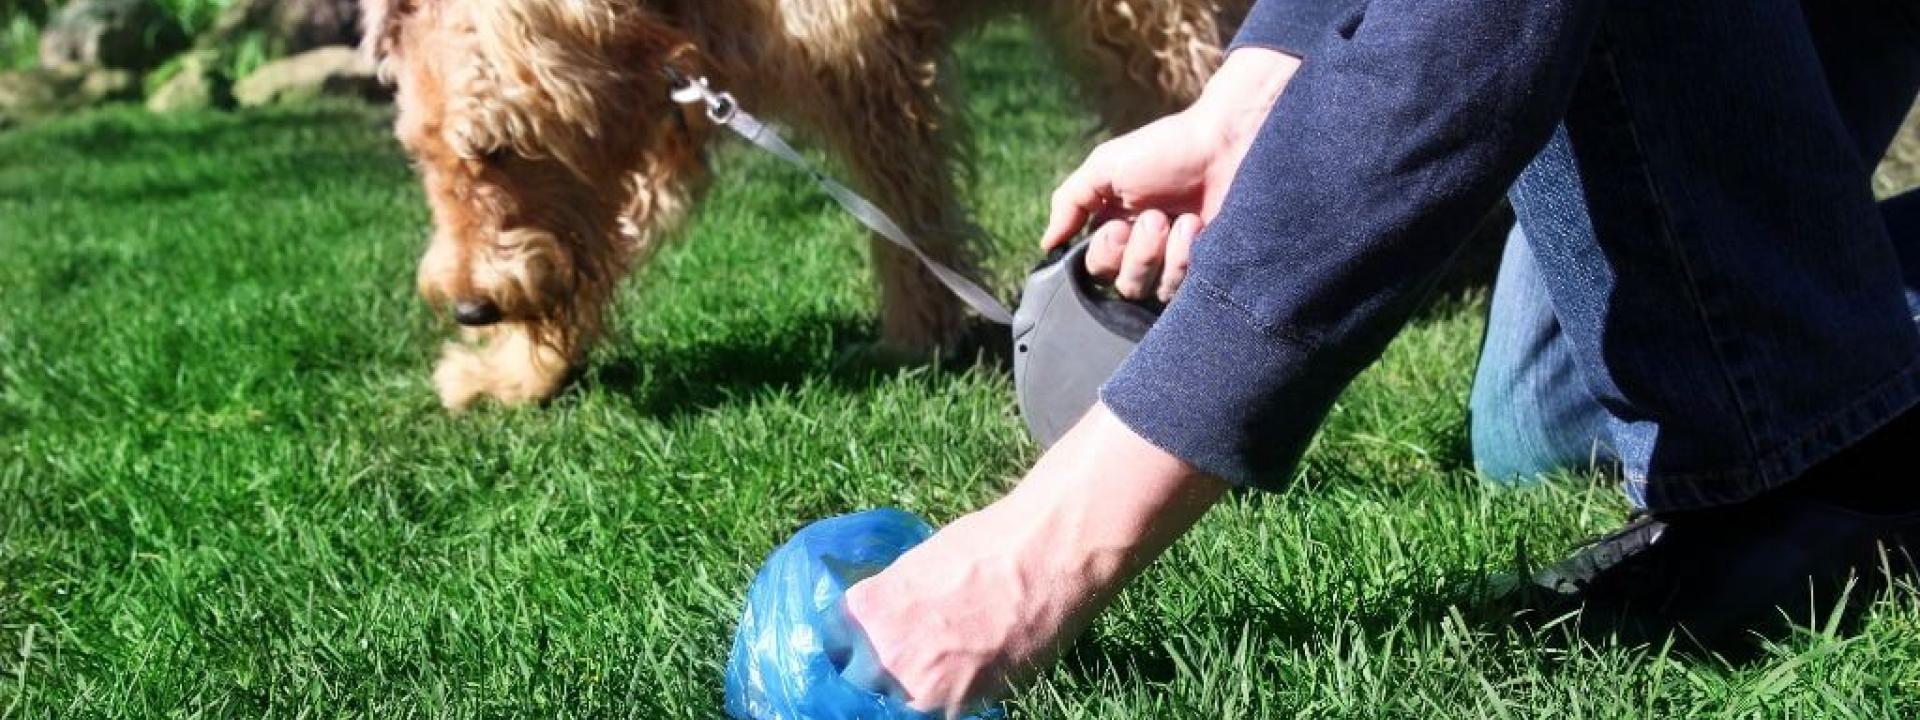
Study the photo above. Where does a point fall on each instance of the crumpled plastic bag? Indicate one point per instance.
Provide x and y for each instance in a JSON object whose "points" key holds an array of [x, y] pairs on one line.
{"points": [[794, 647]]}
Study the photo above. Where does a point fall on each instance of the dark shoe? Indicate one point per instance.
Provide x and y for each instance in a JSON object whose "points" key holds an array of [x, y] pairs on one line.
{"points": [[1721, 577]]}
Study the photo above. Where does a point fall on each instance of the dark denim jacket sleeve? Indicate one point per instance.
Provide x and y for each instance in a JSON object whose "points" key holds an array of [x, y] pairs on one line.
{"points": [[1398, 134]]}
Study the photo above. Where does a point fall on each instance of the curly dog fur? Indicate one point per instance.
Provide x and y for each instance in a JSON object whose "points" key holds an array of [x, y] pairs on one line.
{"points": [[555, 162]]}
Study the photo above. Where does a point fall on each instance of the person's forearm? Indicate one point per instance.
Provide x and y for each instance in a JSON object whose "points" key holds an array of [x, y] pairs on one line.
{"points": [[1104, 503], [1100, 507]]}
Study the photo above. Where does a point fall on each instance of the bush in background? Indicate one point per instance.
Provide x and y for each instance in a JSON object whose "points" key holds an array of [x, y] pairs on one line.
{"points": [[22, 20]]}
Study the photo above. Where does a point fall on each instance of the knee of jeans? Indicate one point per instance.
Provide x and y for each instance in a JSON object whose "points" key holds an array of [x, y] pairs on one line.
{"points": [[1505, 449]]}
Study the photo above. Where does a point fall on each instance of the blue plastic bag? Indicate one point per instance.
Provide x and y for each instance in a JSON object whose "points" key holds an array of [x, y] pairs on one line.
{"points": [[794, 643]]}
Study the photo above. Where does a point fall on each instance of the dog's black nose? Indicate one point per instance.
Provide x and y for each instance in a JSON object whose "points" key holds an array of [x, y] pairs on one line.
{"points": [[476, 313]]}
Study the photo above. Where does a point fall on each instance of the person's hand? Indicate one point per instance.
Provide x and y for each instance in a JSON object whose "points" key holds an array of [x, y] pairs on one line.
{"points": [[1152, 191], [992, 598]]}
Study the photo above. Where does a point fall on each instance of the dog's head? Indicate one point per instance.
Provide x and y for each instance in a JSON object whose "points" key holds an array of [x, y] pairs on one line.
{"points": [[547, 143]]}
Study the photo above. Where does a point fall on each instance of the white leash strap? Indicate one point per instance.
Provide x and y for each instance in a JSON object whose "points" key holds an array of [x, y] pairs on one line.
{"points": [[724, 110]]}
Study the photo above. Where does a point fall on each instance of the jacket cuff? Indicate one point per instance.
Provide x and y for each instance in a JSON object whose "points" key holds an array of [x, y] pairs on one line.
{"points": [[1211, 387]]}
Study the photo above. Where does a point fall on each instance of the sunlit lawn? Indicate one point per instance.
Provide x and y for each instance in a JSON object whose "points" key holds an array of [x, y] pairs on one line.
{"points": [[226, 488]]}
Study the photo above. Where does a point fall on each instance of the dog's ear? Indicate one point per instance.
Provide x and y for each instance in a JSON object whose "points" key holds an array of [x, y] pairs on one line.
{"points": [[380, 31], [550, 77]]}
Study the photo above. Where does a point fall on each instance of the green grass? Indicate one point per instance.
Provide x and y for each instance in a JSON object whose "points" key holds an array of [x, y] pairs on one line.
{"points": [[226, 489]]}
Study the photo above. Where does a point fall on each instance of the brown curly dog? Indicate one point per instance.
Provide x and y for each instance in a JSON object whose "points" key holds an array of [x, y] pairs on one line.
{"points": [[555, 161]]}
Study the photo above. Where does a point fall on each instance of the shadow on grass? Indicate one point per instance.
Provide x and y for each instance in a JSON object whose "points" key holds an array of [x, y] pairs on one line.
{"points": [[842, 352], [1495, 607]]}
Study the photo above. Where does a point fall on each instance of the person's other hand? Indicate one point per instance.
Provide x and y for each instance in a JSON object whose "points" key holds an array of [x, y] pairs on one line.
{"points": [[991, 599], [1152, 191]]}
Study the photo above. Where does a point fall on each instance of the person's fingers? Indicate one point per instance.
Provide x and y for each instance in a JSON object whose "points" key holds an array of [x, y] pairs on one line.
{"points": [[1108, 249], [1173, 270], [1146, 247], [1081, 195]]}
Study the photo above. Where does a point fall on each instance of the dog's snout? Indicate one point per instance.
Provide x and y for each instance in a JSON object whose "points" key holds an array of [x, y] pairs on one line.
{"points": [[476, 313]]}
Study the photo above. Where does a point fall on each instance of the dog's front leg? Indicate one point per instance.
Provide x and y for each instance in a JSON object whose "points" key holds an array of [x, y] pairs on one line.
{"points": [[892, 129]]}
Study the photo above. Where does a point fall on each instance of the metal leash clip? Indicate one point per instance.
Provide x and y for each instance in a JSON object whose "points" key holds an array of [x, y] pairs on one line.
{"points": [[721, 107]]}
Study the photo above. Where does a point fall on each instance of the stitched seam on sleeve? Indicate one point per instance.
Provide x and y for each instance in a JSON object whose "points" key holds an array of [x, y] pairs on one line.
{"points": [[1306, 342]]}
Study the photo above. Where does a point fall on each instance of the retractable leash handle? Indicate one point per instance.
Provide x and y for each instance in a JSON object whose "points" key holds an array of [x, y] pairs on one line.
{"points": [[1069, 336]]}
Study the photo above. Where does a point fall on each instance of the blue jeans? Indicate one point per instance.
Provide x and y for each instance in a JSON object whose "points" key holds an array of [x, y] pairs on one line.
{"points": [[1701, 290], [1532, 414]]}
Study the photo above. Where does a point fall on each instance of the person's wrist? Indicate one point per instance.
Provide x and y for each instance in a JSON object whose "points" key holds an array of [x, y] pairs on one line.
{"points": [[1241, 94], [1251, 76]]}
